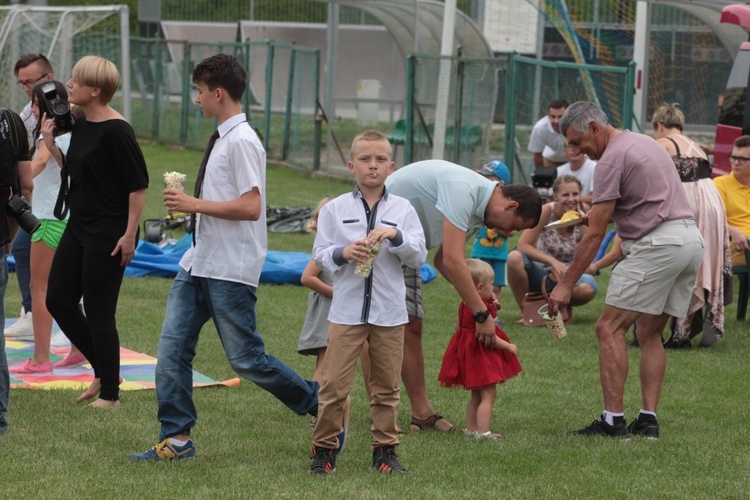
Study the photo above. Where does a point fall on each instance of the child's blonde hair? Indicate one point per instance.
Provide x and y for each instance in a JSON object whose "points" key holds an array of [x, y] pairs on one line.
{"points": [[370, 135], [97, 72], [481, 272], [312, 224]]}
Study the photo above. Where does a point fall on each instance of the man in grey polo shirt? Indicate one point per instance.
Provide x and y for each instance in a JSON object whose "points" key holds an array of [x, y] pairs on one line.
{"points": [[636, 184], [452, 203]]}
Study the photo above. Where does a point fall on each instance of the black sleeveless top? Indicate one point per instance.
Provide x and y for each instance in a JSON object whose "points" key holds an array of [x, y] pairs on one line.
{"points": [[690, 169]]}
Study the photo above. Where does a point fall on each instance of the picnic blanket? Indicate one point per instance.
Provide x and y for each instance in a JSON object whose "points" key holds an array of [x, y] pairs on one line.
{"points": [[164, 260], [136, 368], [279, 267]]}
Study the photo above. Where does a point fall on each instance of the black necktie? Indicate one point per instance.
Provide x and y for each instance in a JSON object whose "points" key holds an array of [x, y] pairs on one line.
{"points": [[199, 180]]}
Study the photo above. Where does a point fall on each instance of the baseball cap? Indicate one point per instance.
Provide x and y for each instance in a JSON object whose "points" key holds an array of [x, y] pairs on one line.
{"points": [[498, 169]]}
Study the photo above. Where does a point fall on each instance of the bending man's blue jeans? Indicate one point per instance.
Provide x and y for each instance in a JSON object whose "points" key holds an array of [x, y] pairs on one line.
{"points": [[190, 304], [4, 375]]}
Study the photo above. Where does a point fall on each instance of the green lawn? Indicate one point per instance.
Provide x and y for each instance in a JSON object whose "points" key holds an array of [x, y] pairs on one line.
{"points": [[249, 445]]}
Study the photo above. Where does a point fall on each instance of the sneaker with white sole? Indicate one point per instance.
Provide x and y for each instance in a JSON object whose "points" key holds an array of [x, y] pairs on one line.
{"points": [[59, 339], [22, 329], [166, 451]]}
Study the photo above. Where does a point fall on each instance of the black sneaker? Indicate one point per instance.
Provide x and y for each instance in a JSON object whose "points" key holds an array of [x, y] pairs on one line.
{"points": [[323, 461], [384, 460], [600, 427], [646, 426]]}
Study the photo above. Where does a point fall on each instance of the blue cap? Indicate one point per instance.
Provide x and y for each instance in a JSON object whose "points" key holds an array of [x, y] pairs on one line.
{"points": [[498, 169]]}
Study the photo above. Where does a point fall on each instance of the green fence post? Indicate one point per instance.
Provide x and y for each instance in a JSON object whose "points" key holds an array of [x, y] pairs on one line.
{"points": [[316, 114], [458, 111], [269, 86], [156, 89], [289, 101], [185, 109], [409, 116], [510, 116], [246, 49], [627, 101]]}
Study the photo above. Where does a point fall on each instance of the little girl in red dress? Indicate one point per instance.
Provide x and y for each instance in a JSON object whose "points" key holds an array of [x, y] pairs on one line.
{"points": [[467, 363]]}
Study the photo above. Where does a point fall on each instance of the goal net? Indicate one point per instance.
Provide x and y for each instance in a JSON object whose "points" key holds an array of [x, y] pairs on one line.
{"points": [[64, 35]]}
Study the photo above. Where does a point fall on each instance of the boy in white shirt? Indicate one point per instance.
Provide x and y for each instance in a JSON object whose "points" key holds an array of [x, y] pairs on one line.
{"points": [[365, 308], [220, 272]]}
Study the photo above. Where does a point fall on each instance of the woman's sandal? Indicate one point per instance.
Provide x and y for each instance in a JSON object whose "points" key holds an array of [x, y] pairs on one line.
{"points": [[428, 423]]}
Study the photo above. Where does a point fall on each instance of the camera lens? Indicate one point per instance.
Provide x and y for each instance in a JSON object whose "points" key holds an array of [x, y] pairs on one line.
{"points": [[28, 221], [60, 107]]}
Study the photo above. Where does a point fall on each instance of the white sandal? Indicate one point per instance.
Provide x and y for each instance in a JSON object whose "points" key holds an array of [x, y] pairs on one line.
{"points": [[489, 435]]}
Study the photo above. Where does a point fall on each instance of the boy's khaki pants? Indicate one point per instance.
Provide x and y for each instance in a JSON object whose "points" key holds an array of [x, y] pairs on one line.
{"points": [[345, 343]]}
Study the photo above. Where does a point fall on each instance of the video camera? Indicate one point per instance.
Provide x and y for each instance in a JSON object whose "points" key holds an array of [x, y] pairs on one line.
{"points": [[58, 109]]}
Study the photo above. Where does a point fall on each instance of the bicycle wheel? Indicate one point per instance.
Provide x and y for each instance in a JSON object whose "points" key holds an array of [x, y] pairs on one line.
{"points": [[295, 224]]}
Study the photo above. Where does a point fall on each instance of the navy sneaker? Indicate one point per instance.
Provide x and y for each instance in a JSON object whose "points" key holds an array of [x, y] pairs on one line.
{"points": [[384, 460], [600, 427], [344, 425], [165, 451], [323, 461], [646, 426]]}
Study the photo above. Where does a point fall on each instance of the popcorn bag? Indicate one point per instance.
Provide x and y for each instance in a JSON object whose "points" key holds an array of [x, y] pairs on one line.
{"points": [[364, 268], [175, 180], [555, 325]]}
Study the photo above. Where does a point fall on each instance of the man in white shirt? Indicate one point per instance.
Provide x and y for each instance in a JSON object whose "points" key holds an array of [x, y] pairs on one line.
{"points": [[546, 142], [581, 166], [452, 203]]}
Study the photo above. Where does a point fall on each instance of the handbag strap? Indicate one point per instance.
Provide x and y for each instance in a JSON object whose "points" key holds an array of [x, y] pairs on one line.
{"points": [[544, 288]]}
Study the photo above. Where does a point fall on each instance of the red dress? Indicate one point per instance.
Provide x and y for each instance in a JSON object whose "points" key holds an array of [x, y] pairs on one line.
{"points": [[468, 363]]}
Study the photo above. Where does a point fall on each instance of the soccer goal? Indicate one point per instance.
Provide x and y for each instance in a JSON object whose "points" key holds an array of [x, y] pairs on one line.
{"points": [[64, 35]]}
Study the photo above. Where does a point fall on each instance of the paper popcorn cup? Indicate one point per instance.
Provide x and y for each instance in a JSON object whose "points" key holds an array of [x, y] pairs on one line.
{"points": [[364, 268], [174, 180], [555, 325]]}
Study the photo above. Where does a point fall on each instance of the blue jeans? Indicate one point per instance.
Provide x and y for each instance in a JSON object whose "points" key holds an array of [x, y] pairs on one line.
{"points": [[22, 254], [231, 306], [4, 375], [536, 273]]}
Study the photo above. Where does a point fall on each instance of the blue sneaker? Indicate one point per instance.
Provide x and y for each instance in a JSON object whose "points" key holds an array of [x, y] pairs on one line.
{"points": [[344, 426], [165, 451]]}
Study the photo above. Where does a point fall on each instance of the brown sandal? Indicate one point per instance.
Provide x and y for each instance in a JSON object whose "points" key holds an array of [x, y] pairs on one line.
{"points": [[428, 423]]}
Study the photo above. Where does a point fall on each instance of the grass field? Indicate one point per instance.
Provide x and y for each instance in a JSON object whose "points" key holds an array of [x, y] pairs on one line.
{"points": [[251, 446]]}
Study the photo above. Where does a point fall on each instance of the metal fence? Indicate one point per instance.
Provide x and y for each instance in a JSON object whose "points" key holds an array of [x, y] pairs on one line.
{"points": [[471, 101], [531, 84], [280, 101]]}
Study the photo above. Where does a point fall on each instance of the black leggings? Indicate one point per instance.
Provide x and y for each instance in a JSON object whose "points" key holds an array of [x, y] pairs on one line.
{"points": [[77, 272]]}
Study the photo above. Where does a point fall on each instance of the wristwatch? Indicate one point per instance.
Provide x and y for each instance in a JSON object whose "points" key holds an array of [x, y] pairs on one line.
{"points": [[482, 316]]}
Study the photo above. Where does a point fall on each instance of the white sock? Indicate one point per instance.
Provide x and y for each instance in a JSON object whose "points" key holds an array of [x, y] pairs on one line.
{"points": [[178, 442], [644, 412], [609, 416]]}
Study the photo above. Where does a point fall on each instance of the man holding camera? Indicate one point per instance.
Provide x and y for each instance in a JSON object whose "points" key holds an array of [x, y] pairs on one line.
{"points": [[15, 169], [30, 70]]}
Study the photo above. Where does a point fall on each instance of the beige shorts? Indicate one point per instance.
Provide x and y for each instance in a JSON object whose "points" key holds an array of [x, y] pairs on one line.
{"points": [[413, 281], [659, 273]]}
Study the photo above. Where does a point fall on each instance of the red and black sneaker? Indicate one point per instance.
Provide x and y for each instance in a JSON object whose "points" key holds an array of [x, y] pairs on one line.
{"points": [[323, 461], [384, 460]]}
